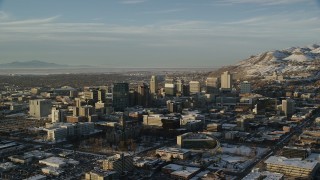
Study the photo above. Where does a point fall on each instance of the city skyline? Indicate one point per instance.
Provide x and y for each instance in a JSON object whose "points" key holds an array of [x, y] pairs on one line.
{"points": [[149, 33]]}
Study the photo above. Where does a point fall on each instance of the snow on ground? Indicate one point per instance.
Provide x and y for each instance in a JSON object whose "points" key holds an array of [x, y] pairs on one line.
{"points": [[298, 58], [282, 61], [239, 150], [316, 51], [232, 159]]}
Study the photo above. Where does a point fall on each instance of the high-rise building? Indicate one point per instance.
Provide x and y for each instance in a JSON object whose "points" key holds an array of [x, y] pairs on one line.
{"points": [[288, 107], [185, 90], [179, 84], [58, 115], [194, 86], [170, 87], [143, 95], [86, 111], [120, 96], [133, 97], [153, 85], [226, 80], [79, 102], [102, 95], [39, 108], [91, 95], [245, 87], [212, 84], [119, 163]]}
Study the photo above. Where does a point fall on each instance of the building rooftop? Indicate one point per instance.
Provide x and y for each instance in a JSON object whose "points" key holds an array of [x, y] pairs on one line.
{"points": [[295, 162], [54, 160], [266, 175], [173, 167], [101, 172], [36, 177], [6, 166], [170, 149], [185, 172]]}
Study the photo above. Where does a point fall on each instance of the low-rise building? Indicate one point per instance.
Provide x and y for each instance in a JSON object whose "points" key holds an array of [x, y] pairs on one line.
{"points": [[291, 167], [180, 172], [196, 141], [37, 177], [256, 175], [98, 174], [119, 163], [58, 162], [178, 153]]}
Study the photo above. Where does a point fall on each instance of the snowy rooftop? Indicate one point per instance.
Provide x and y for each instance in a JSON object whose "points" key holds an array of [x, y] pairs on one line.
{"points": [[185, 172], [313, 157], [265, 174], [7, 166], [280, 160], [54, 160], [173, 167], [170, 149]]}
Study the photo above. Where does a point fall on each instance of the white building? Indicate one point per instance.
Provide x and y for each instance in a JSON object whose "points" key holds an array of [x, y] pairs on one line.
{"points": [[292, 167], [39, 108], [212, 84], [60, 131], [194, 86], [58, 115], [153, 85], [57, 134], [288, 107], [226, 80], [153, 120]]}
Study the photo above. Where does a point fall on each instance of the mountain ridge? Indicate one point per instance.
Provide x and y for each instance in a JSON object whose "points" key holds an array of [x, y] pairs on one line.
{"points": [[35, 64], [289, 61]]}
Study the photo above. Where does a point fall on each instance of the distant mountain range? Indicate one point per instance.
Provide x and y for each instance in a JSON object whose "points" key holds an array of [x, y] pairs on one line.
{"points": [[35, 64], [294, 61]]}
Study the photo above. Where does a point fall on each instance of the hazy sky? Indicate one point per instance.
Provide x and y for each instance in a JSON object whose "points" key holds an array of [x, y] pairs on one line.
{"points": [[153, 33]]}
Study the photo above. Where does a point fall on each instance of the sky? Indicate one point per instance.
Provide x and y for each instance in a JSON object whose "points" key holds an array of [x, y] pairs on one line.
{"points": [[153, 33]]}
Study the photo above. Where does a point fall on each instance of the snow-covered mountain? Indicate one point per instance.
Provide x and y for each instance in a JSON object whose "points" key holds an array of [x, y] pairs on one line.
{"points": [[295, 60]]}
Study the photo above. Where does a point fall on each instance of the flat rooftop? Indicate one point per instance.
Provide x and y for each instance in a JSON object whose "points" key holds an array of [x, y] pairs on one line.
{"points": [[295, 162]]}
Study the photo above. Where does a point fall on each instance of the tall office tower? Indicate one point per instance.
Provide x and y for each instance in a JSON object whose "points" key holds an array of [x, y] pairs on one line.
{"points": [[212, 84], [58, 115], [179, 84], [170, 87], [120, 96], [288, 107], [154, 85], [86, 111], [102, 95], [39, 108], [186, 90], [143, 95], [79, 102], [91, 95], [133, 97], [226, 80], [194, 86], [245, 87]]}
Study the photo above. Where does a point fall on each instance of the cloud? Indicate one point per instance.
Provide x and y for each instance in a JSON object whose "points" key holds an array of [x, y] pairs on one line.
{"points": [[165, 11], [30, 21], [173, 33], [3, 16], [261, 2], [133, 1]]}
